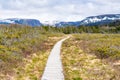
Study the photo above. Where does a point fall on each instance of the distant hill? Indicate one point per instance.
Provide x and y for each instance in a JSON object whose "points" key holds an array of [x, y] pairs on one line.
{"points": [[63, 24], [88, 21], [92, 21], [29, 22], [100, 19]]}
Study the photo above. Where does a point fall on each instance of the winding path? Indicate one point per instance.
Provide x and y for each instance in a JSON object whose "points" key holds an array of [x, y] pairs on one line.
{"points": [[53, 69]]}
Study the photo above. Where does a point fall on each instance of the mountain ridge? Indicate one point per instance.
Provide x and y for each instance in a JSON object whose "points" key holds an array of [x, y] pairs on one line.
{"points": [[28, 22], [92, 20], [88, 21]]}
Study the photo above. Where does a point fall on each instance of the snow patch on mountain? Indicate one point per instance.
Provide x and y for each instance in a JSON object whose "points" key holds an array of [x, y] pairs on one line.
{"points": [[7, 21]]}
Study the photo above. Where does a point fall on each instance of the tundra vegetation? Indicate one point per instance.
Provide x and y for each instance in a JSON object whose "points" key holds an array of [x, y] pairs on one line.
{"points": [[91, 53], [91, 57], [24, 51]]}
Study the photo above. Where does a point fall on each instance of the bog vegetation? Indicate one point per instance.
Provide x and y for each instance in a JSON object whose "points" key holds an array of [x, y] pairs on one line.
{"points": [[86, 56], [92, 57], [24, 51]]}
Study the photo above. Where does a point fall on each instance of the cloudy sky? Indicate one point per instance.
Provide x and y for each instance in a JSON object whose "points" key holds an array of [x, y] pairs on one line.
{"points": [[61, 10]]}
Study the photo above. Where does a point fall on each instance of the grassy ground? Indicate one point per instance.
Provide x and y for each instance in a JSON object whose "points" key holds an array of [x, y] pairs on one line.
{"points": [[24, 51], [91, 57]]}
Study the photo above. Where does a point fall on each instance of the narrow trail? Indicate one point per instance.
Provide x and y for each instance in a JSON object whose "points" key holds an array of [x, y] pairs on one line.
{"points": [[53, 69]]}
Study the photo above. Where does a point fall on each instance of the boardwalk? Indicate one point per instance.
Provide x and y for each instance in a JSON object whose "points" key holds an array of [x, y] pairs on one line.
{"points": [[53, 69]]}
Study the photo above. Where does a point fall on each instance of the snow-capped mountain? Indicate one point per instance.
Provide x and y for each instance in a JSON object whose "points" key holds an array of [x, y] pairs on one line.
{"points": [[29, 22], [100, 20], [89, 21], [92, 20]]}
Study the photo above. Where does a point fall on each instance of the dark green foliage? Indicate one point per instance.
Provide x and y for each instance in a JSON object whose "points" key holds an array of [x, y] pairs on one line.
{"points": [[77, 78], [115, 23], [83, 29]]}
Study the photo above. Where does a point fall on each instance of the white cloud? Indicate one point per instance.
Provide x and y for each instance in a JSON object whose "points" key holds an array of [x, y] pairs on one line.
{"points": [[67, 10]]}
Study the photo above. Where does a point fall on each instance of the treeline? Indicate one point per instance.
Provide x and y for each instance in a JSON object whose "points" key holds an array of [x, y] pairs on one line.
{"points": [[84, 29], [110, 28]]}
